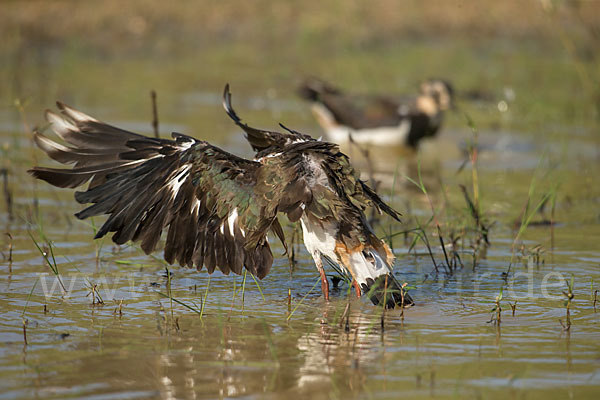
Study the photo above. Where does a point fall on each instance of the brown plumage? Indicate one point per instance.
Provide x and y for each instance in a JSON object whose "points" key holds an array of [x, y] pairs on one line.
{"points": [[333, 219], [215, 207]]}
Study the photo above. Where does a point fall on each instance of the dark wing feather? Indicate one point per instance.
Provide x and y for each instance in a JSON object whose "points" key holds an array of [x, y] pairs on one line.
{"points": [[262, 141], [205, 198], [294, 143]]}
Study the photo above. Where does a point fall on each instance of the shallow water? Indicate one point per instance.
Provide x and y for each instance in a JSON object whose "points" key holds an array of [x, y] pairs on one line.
{"points": [[227, 337]]}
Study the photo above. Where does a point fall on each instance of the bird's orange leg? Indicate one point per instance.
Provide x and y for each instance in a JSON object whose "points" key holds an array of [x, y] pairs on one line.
{"points": [[324, 281], [324, 284], [356, 287]]}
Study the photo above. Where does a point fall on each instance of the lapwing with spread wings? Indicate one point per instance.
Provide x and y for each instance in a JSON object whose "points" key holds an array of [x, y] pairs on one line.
{"points": [[216, 208]]}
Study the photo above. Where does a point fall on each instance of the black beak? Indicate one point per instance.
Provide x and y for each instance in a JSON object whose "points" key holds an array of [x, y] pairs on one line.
{"points": [[389, 294]]}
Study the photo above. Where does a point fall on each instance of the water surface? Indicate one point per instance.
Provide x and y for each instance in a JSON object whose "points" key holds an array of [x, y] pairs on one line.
{"points": [[248, 342]]}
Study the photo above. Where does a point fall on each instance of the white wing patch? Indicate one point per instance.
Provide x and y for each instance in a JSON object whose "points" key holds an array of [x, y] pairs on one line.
{"points": [[196, 207], [187, 144], [268, 156], [178, 179], [231, 222]]}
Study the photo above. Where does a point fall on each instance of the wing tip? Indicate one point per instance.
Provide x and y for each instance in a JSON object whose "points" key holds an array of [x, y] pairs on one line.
{"points": [[228, 106], [73, 113]]}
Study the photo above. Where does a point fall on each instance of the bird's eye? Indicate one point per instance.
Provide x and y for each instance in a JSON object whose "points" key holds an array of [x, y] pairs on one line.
{"points": [[368, 256]]}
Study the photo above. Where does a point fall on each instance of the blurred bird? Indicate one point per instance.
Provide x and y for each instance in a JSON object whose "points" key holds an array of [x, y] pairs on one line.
{"points": [[379, 119], [218, 208]]}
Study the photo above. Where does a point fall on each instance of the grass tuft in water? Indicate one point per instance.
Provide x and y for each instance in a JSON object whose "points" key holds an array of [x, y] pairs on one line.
{"points": [[95, 295], [569, 296], [51, 263], [497, 318], [513, 307], [119, 308], [528, 212]]}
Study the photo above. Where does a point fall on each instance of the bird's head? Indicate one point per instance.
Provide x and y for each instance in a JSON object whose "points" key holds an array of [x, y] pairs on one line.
{"points": [[441, 91], [372, 269]]}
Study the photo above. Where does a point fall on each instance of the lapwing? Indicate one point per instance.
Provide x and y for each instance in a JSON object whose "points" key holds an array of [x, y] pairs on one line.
{"points": [[381, 120], [217, 208]]}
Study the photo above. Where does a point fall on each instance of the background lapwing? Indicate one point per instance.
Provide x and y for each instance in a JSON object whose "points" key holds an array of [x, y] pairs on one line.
{"points": [[218, 208], [383, 120]]}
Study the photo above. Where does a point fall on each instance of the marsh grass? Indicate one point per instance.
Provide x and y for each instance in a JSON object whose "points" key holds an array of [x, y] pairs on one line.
{"points": [[193, 308], [481, 226], [447, 266], [474, 206], [302, 299], [206, 297], [473, 150], [531, 208], [119, 307], [457, 231], [94, 294], [533, 255], [8, 196], [170, 293], [50, 262], [244, 290], [9, 259], [513, 307], [258, 286], [24, 320]]}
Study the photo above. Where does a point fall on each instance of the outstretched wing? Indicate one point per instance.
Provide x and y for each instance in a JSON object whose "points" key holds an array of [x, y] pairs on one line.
{"points": [[292, 144], [262, 141], [208, 200]]}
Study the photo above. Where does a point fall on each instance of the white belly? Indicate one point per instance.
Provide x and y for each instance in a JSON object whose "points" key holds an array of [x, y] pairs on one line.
{"points": [[319, 239], [384, 136]]}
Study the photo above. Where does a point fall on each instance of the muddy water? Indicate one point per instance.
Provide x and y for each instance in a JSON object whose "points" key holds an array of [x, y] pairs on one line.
{"points": [[227, 336]]}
